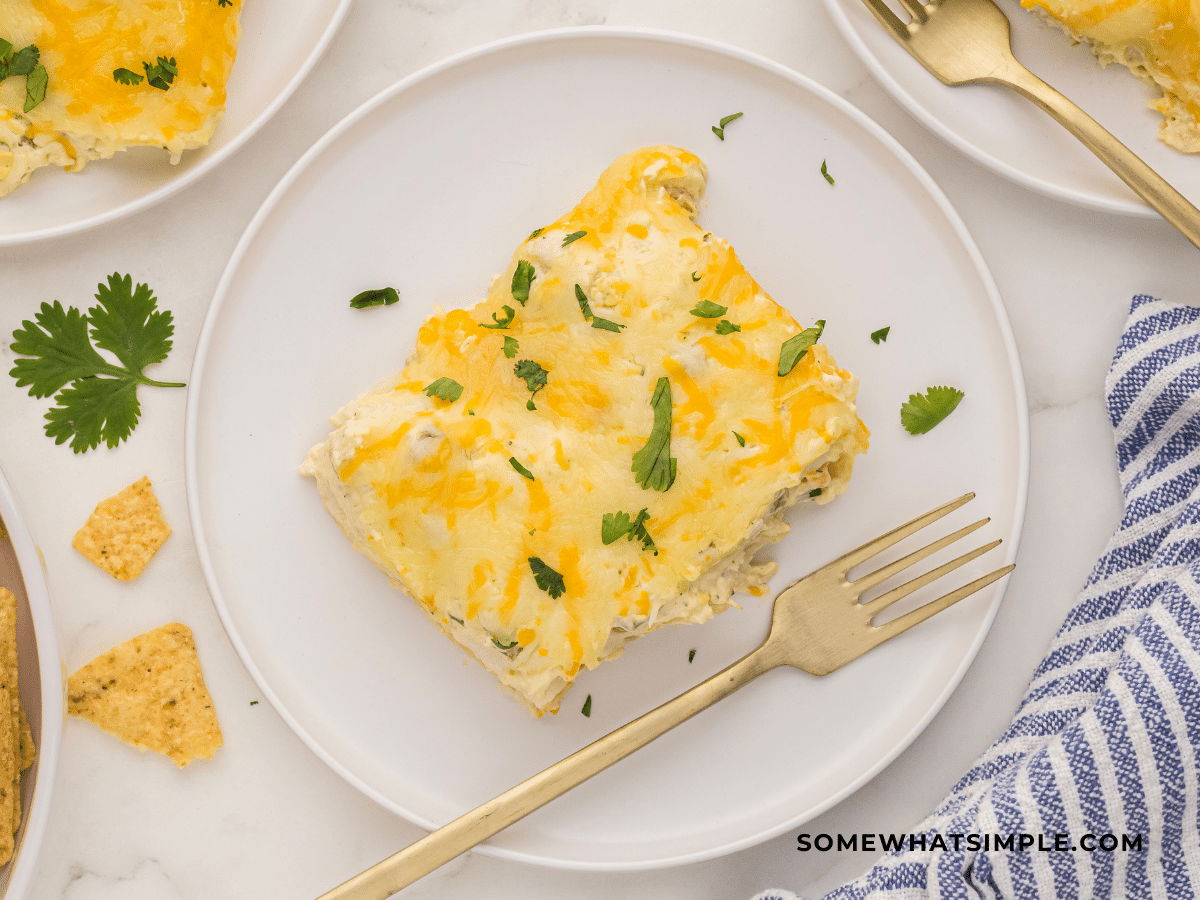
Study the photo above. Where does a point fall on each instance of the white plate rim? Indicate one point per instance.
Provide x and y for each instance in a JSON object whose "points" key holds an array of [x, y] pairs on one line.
{"points": [[196, 384], [50, 667], [970, 149], [175, 185]]}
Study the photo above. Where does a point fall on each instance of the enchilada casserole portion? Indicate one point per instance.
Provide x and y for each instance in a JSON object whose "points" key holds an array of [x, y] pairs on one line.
{"points": [[601, 446]]}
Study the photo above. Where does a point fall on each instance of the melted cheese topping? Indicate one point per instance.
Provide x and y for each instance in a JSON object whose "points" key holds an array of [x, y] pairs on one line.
{"points": [[89, 115], [426, 489], [1159, 40]]}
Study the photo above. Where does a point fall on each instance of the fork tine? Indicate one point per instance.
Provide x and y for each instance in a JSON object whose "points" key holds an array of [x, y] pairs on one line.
{"points": [[916, 9], [844, 564], [882, 602], [868, 581], [889, 630], [888, 19]]}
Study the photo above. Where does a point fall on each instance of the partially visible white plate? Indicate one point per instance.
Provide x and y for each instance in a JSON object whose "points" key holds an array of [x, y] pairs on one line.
{"points": [[428, 188], [1007, 133], [39, 676], [281, 42]]}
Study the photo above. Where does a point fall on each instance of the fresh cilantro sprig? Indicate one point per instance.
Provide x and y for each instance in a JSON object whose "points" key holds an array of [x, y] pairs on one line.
{"points": [[547, 579], [522, 279], [573, 237], [511, 346], [444, 389], [620, 524], [923, 411], [880, 335], [533, 375], [509, 314], [127, 76], [162, 73], [384, 296], [706, 309], [653, 466], [25, 62], [95, 399], [793, 349], [719, 130], [589, 316], [727, 327]]}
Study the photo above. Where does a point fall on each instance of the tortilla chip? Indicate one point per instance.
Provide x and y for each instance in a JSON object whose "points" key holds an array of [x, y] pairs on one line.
{"points": [[26, 751], [8, 775], [149, 692], [124, 532]]}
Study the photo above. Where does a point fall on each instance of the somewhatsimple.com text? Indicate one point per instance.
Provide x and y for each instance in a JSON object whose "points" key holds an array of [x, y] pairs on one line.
{"points": [[1018, 841]]}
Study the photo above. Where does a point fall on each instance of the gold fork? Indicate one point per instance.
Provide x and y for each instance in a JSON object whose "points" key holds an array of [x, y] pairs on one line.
{"points": [[967, 42], [819, 625]]}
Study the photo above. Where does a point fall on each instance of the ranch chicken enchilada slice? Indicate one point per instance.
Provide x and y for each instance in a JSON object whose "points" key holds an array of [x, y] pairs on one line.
{"points": [[598, 448]]}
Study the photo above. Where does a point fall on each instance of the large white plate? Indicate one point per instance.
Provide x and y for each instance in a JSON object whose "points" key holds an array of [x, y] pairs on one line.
{"points": [[428, 188], [1010, 135], [281, 42]]}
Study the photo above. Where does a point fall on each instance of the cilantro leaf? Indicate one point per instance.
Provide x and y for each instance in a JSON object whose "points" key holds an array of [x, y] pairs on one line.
{"points": [[24, 60], [512, 461], [162, 73], [741, 440], [582, 300], [444, 389], [384, 296], [607, 324], [534, 233], [95, 400], [695, 277], [125, 76], [521, 280], [825, 172], [881, 334], [507, 646], [706, 309], [547, 579], [793, 349], [573, 237], [727, 327], [35, 87], [509, 314], [230, 3], [691, 655], [923, 411], [534, 376], [620, 524], [719, 130], [511, 346], [653, 465], [5, 50], [587, 706]]}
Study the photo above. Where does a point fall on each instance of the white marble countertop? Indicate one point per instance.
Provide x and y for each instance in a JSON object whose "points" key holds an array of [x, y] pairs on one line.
{"points": [[267, 819]]}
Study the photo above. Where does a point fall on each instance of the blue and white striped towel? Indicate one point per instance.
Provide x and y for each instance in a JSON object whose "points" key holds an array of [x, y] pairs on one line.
{"points": [[1107, 738]]}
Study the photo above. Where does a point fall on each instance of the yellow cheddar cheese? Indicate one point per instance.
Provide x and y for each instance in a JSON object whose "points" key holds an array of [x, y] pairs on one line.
{"points": [[637, 368]]}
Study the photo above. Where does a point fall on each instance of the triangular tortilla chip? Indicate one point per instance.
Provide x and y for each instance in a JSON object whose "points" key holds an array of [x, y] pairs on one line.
{"points": [[124, 532], [149, 692]]}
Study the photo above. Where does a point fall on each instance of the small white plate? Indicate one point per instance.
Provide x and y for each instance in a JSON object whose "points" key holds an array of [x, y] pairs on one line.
{"points": [[281, 42], [429, 187], [39, 675], [1010, 135]]}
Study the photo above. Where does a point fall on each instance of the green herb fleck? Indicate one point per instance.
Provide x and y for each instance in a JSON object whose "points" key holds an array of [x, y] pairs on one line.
{"points": [[509, 314], [456, 618], [547, 579], [534, 376], [653, 466], [162, 73], [520, 468], [825, 172], [444, 389], [95, 399], [534, 233], [923, 411], [511, 346], [691, 655], [573, 237], [582, 300], [620, 524], [607, 324], [695, 277], [794, 348], [25, 62], [224, 2], [521, 280], [508, 646], [727, 327], [815, 492], [35, 87], [254, 703], [126, 76], [741, 440], [384, 296], [880, 335], [706, 309], [470, 412], [719, 130], [587, 706]]}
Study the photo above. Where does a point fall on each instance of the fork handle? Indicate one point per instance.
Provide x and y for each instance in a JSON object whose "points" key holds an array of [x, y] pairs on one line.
{"points": [[439, 847], [1128, 166]]}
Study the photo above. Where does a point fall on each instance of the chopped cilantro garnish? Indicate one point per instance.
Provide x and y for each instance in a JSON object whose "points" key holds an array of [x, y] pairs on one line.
{"points": [[573, 237], [162, 73], [224, 2], [825, 172], [511, 346], [727, 327], [534, 376], [741, 440], [384, 296], [95, 399], [794, 348], [512, 460], [521, 280], [695, 277], [509, 313], [586, 309], [691, 655], [620, 524], [706, 309], [547, 579], [587, 706], [126, 76], [25, 62], [534, 233], [653, 466], [607, 324], [35, 87], [444, 389], [456, 618], [880, 335], [507, 646], [923, 411], [582, 300], [254, 703], [815, 492], [719, 130]]}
